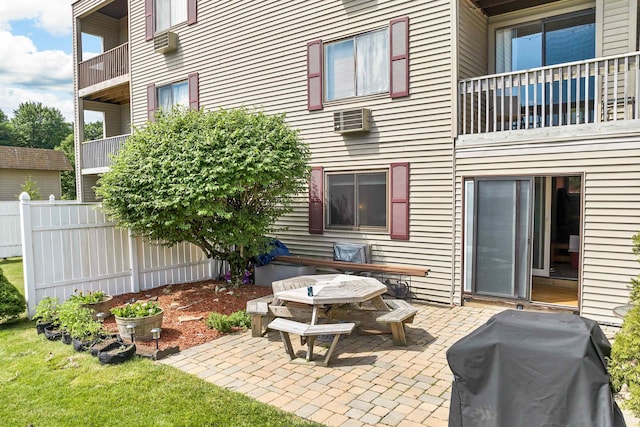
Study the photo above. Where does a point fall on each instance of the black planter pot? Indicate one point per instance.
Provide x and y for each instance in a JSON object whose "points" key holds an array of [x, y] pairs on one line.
{"points": [[80, 345], [53, 333], [102, 343], [40, 326], [66, 338], [116, 352]]}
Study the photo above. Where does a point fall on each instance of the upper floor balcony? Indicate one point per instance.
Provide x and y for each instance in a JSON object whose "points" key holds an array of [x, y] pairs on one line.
{"points": [[104, 71], [581, 92]]}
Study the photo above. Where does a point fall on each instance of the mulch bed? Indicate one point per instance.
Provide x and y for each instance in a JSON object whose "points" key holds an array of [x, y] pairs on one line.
{"points": [[190, 300]]}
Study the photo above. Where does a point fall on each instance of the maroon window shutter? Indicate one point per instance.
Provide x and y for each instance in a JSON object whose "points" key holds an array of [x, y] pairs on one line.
{"points": [[151, 102], [314, 75], [192, 12], [399, 57], [316, 200], [194, 92], [400, 201], [148, 19]]}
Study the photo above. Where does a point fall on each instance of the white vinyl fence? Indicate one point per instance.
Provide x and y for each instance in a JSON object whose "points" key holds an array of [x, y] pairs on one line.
{"points": [[10, 244], [70, 245]]}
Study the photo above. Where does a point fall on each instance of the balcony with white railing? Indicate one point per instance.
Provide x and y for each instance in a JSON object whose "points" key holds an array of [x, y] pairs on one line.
{"points": [[558, 96], [96, 154]]}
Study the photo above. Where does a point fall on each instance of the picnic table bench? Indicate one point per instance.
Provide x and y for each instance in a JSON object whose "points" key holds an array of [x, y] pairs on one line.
{"points": [[286, 327]]}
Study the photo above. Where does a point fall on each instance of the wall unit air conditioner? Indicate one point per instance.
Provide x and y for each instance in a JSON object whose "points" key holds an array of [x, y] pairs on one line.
{"points": [[355, 120], [165, 42]]}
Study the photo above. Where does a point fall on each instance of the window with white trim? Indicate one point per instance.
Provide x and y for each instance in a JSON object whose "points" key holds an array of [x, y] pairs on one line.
{"points": [[172, 95], [168, 13], [357, 200], [357, 66]]}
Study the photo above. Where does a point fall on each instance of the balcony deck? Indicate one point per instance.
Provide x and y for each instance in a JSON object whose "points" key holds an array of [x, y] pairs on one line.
{"points": [[95, 154], [109, 69], [559, 96]]}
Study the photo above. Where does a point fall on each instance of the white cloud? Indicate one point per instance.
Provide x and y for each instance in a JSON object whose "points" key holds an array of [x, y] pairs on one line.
{"points": [[53, 16], [11, 97], [24, 65], [27, 74]]}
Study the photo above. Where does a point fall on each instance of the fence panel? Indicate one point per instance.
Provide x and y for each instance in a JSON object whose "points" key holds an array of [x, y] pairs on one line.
{"points": [[72, 246], [10, 242]]}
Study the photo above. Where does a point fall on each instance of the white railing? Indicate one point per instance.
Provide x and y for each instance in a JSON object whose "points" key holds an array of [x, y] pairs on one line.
{"points": [[10, 244], [592, 91], [70, 245], [95, 154]]}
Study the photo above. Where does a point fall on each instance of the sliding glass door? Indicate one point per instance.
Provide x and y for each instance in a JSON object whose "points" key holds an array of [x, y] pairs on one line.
{"points": [[500, 237]]}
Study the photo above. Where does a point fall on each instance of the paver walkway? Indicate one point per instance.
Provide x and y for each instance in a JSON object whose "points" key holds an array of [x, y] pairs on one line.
{"points": [[369, 382]]}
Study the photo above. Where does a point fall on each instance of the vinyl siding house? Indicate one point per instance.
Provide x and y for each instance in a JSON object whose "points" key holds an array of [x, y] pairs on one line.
{"points": [[396, 100], [43, 167]]}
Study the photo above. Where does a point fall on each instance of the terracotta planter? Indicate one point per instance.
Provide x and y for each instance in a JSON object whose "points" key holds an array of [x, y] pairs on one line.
{"points": [[143, 325], [100, 307]]}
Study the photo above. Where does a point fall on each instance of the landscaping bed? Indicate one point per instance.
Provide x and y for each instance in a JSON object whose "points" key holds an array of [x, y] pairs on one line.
{"points": [[190, 301]]}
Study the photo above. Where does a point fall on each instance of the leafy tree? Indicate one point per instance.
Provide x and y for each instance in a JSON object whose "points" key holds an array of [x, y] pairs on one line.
{"points": [[217, 179], [7, 136], [68, 178], [38, 126], [93, 130], [12, 303], [31, 188]]}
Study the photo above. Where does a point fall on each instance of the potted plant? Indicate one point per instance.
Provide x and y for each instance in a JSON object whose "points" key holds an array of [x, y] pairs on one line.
{"points": [[46, 313], [144, 316], [97, 301], [77, 323]]}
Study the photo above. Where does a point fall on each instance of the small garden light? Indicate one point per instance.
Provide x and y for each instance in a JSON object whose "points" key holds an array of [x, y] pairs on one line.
{"points": [[156, 335], [131, 328], [101, 316]]}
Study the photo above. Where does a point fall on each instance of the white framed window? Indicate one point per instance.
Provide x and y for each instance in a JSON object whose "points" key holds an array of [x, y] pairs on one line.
{"points": [[168, 13], [172, 95], [357, 66], [357, 200]]}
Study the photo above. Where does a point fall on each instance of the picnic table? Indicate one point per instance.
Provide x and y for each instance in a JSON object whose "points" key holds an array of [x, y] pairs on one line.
{"points": [[334, 297]]}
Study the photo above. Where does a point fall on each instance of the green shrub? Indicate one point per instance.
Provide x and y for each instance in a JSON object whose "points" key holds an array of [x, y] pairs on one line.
{"points": [[624, 366], [77, 320], [47, 309], [12, 303], [224, 323], [90, 297], [138, 309]]}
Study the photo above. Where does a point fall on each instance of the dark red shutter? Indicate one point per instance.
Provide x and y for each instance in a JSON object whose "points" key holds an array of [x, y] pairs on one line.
{"points": [[148, 19], [399, 57], [316, 200], [192, 12], [399, 201], [314, 75], [151, 102], [194, 92]]}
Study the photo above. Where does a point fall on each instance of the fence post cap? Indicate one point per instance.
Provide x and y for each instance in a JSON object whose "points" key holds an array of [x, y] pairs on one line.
{"points": [[52, 198], [24, 196]]}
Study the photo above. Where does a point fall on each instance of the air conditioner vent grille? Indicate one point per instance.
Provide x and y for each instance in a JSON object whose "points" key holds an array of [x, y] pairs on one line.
{"points": [[355, 120], [165, 42]]}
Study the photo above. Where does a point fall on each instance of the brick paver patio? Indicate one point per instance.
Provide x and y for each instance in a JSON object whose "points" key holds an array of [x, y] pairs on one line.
{"points": [[370, 382]]}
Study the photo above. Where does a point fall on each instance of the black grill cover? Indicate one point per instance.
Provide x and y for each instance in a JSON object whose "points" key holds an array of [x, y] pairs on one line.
{"points": [[532, 369]]}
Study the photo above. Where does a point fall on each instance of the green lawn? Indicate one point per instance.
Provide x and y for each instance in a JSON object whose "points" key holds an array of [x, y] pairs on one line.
{"points": [[47, 383], [12, 268]]}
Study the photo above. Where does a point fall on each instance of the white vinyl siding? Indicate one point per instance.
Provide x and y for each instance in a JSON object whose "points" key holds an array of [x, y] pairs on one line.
{"points": [[255, 56], [618, 27], [12, 180], [472, 41]]}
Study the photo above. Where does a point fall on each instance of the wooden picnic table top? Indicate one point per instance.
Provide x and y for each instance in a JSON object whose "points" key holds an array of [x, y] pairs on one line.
{"points": [[356, 289]]}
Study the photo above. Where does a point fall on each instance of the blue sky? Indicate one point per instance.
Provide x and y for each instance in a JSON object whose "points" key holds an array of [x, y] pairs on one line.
{"points": [[36, 54]]}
